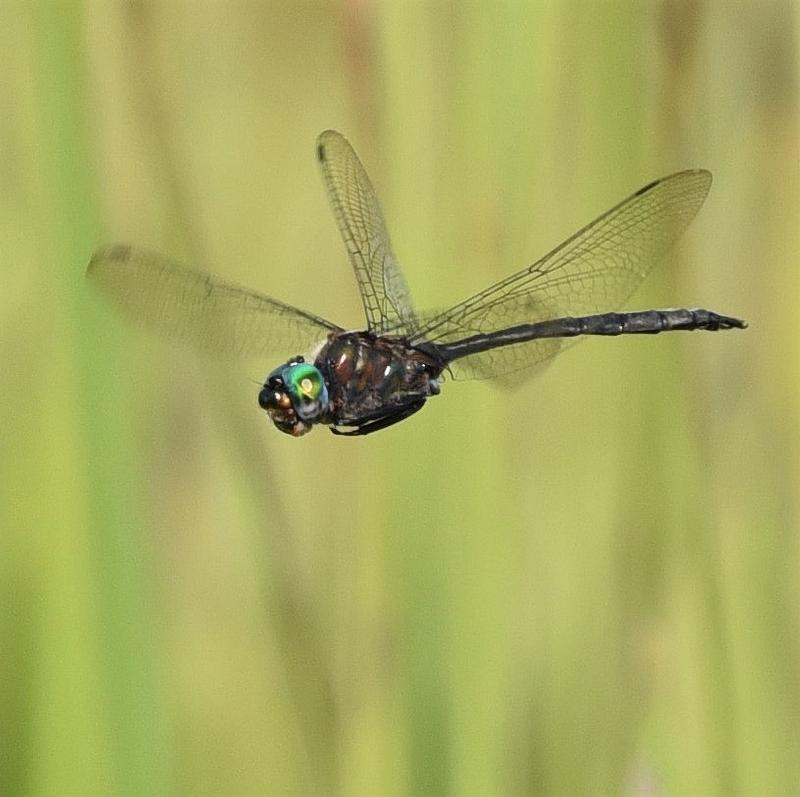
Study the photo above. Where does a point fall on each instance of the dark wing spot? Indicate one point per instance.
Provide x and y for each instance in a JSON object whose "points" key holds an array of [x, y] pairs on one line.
{"points": [[118, 254], [647, 188]]}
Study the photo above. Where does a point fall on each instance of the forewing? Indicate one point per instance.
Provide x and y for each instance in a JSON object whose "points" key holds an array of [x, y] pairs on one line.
{"points": [[194, 308], [386, 298], [594, 271]]}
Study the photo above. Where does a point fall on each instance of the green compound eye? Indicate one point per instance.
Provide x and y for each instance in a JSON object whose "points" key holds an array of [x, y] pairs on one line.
{"points": [[307, 390]]}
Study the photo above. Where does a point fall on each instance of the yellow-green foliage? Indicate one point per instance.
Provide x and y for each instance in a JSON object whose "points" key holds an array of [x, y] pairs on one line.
{"points": [[584, 584]]}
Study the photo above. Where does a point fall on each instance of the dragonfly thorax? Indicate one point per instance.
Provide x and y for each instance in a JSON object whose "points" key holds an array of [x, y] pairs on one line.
{"points": [[371, 377]]}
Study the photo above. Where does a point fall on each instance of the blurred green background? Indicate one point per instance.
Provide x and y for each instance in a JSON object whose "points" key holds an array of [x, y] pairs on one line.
{"points": [[587, 585]]}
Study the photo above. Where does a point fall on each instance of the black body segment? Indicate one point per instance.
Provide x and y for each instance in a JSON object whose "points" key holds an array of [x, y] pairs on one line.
{"points": [[371, 379], [643, 322]]}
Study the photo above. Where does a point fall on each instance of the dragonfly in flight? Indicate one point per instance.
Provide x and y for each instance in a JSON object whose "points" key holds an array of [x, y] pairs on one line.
{"points": [[357, 382]]}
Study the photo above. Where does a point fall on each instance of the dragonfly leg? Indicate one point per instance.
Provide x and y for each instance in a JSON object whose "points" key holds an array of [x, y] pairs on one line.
{"points": [[382, 421]]}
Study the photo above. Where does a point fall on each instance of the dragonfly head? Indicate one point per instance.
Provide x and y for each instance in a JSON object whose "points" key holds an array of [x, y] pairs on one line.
{"points": [[295, 396]]}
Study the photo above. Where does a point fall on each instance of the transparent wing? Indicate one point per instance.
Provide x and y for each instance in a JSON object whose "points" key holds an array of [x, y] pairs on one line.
{"points": [[505, 360], [194, 308], [594, 271], [386, 298]]}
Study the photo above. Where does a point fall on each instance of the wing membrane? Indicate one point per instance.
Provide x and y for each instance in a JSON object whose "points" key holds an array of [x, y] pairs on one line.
{"points": [[384, 293], [197, 309], [594, 271]]}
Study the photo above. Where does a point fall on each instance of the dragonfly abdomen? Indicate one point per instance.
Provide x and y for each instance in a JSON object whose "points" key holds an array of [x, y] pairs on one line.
{"points": [[649, 322]]}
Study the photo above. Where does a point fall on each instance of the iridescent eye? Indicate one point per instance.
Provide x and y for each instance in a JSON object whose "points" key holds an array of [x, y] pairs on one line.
{"points": [[307, 389]]}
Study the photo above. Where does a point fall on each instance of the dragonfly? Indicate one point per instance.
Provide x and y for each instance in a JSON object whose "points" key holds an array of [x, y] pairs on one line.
{"points": [[358, 381]]}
